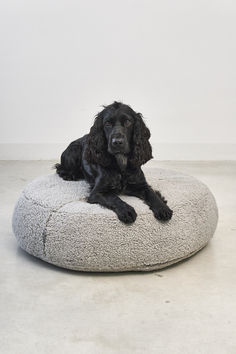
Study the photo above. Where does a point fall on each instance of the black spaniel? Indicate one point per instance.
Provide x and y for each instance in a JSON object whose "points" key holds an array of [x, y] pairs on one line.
{"points": [[109, 158]]}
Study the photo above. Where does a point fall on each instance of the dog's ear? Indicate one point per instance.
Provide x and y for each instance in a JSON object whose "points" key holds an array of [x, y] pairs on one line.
{"points": [[142, 150], [96, 151]]}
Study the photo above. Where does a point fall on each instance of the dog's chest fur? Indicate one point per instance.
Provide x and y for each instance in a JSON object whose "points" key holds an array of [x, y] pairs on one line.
{"points": [[120, 182]]}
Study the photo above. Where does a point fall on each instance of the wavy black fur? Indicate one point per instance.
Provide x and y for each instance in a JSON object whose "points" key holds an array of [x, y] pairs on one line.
{"points": [[110, 157]]}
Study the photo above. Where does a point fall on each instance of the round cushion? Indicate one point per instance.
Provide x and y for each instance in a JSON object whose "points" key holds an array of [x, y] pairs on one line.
{"points": [[53, 221]]}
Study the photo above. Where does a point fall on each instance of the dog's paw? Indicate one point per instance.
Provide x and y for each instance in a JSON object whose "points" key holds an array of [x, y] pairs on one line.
{"points": [[164, 213], [127, 214]]}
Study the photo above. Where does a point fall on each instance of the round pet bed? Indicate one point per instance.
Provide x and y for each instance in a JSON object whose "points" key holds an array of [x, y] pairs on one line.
{"points": [[53, 221]]}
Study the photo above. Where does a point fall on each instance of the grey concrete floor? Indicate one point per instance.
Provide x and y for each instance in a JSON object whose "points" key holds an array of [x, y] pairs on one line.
{"points": [[187, 308]]}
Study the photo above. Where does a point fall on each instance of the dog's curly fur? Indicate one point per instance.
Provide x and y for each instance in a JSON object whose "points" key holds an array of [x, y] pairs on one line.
{"points": [[96, 151], [110, 157]]}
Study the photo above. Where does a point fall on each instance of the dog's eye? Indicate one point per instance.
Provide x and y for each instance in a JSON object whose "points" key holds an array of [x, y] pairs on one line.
{"points": [[107, 124], [127, 123]]}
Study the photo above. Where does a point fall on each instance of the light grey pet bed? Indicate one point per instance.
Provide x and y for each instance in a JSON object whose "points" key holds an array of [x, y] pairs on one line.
{"points": [[53, 221]]}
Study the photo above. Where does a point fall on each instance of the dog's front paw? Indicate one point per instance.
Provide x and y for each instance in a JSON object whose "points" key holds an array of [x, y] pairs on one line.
{"points": [[127, 214], [164, 213]]}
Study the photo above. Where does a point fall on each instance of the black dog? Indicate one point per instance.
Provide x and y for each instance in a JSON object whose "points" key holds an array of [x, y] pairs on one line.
{"points": [[109, 158]]}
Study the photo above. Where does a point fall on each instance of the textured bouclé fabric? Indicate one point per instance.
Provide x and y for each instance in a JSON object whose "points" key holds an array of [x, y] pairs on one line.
{"points": [[53, 221]]}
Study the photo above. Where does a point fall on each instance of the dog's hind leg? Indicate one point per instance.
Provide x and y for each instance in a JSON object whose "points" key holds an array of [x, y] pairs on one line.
{"points": [[70, 167]]}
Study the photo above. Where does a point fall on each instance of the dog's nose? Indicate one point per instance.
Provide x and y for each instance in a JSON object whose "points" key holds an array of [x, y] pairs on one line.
{"points": [[117, 141]]}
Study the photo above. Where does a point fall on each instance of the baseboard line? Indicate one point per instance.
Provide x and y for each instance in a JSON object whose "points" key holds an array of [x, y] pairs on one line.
{"points": [[161, 151]]}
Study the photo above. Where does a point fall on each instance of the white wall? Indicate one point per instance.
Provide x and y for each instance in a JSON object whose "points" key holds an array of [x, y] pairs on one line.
{"points": [[174, 61]]}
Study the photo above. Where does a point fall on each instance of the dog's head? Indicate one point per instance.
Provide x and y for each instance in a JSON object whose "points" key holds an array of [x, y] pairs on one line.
{"points": [[118, 132]]}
